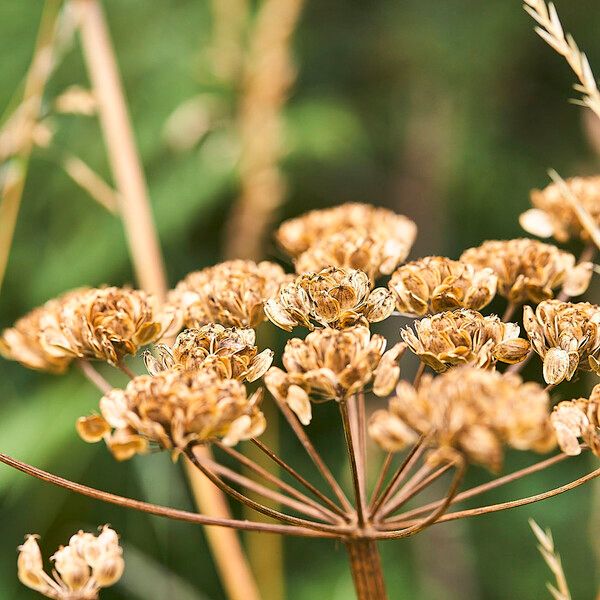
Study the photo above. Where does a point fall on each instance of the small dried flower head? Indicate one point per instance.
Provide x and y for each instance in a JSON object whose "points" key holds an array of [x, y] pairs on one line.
{"points": [[436, 284], [87, 564], [25, 341], [104, 324], [574, 419], [331, 364], [473, 411], [232, 293], [333, 297], [297, 235], [227, 351], [529, 270], [554, 217], [465, 337], [566, 336], [174, 409]]}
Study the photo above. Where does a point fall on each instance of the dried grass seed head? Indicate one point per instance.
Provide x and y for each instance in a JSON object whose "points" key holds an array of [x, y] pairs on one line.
{"points": [[465, 337], [331, 364], [470, 410], [436, 284], [231, 293], [529, 270], [578, 419], [553, 216], [228, 351], [333, 297], [566, 335], [174, 409], [81, 569]]}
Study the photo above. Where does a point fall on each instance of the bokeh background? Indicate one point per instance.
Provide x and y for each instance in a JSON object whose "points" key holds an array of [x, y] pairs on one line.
{"points": [[447, 111]]}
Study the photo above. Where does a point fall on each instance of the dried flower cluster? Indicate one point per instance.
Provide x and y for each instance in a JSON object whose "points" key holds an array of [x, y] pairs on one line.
{"points": [[87, 564], [554, 217], [529, 270], [228, 352], [103, 324], [174, 409], [354, 236], [465, 337], [232, 293], [437, 284], [574, 419], [473, 411], [331, 365], [567, 337], [333, 297]]}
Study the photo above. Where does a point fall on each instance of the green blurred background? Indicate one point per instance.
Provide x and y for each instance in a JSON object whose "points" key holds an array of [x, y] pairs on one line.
{"points": [[448, 111]]}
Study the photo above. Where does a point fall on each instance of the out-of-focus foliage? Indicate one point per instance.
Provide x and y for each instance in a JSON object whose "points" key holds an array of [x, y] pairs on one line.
{"points": [[446, 111]]}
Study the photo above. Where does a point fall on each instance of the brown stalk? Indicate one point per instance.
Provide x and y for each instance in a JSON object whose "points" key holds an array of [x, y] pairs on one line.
{"points": [[385, 467], [268, 476], [155, 509], [90, 373], [309, 486], [314, 455], [16, 173], [366, 569], [355, 465], [144, 247]]}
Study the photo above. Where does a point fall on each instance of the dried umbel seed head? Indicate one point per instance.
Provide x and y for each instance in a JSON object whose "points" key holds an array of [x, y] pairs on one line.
{"points": [[465, 337], [473, 411], [24, 342], [299, 235], [232, 293], [574, 419], [359, 249], [529, 270], [567, 337], [554, 216], [333, 297], [174, 409], [331, 364], [437, 284], [227, 351], [104, 324], [87, 564]]}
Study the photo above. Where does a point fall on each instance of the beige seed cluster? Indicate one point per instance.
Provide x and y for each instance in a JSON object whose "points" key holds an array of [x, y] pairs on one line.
{"points": [[553, 216], [81, 569], [330, 364], [351, 236], [103, 324], [232, 293], [465, 337], [529, 270], [174, 409], [574, 419], [227, 351], [470, 410], [332, 297], [567, 337], [436, 284]]}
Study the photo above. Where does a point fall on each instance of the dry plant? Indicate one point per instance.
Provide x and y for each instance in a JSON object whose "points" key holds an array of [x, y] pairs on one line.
{"points": [[462, 410]]}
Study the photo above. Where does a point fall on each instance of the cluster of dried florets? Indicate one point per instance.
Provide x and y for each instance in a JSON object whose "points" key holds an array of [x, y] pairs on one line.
{"points": [[232, 293], [554, 217], [437, 284], [465, 337], [330, 364], [470, 410], [333, 297], [87, 564], [103, 324], [354, 236], [174, 409], [530, 271]]}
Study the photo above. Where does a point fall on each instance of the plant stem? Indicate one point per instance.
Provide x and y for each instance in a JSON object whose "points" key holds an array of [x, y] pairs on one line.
{"points": [[365, 565]]}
